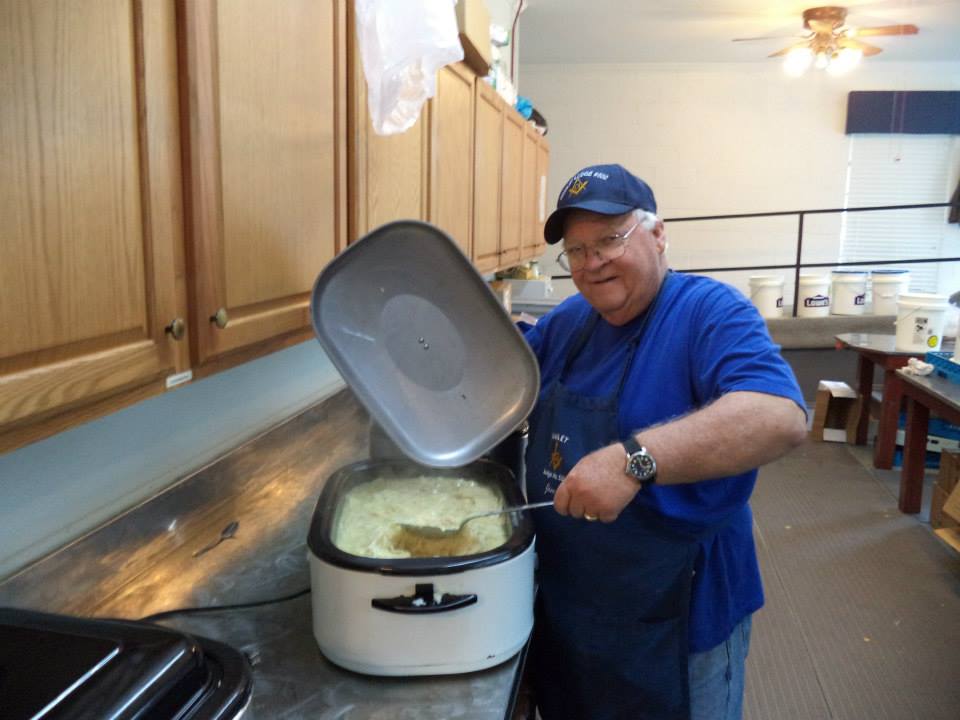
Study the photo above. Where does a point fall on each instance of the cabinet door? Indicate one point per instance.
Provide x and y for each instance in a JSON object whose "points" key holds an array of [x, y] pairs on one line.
{"points": [[511, 194], [530, 193], [90, 198], [388, 172], [487, 151], [543, 202], [451, 154], [264, 89]]}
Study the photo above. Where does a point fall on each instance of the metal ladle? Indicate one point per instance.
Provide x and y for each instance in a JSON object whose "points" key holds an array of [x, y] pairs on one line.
{"points": [[431, 531]]}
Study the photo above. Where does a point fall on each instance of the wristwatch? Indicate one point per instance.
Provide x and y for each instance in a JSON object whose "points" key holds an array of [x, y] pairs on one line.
{"points": [[640, 463]]}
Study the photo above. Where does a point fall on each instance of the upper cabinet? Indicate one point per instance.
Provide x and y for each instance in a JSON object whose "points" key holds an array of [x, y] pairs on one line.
{"points": [[263, 88], [451, 154], [176, 176], [91, 276], [535, 161], [388, 173], [511, 189], [487, 159]]}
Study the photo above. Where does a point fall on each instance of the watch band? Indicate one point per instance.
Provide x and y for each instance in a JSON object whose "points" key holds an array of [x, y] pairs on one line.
{"points": [[631, 445]]}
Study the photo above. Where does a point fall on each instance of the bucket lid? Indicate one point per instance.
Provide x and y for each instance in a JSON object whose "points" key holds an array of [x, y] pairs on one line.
{"points": [[931, 299], [881, 273], [766, 279], [849, 275], [424, 344], [813, 279]]}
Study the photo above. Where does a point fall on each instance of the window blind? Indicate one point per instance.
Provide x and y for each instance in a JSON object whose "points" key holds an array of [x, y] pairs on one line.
{"points": [[897, 170]]}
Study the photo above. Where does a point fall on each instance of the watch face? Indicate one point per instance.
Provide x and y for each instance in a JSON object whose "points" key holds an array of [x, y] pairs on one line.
{"points": [[642, 466]]}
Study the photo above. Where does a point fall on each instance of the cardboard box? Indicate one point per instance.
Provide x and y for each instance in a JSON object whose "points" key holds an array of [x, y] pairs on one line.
{"points": [[473, 20], [951, 536], [949, 470], [951, 508], [835, 413], [938, 518]]}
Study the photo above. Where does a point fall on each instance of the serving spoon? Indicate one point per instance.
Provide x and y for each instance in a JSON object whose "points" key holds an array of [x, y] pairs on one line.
{"points": [[431, 531], [226, 534]]}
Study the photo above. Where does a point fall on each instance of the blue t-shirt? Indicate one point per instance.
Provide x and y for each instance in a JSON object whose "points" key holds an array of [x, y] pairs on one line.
{"points": [[703, 340]]}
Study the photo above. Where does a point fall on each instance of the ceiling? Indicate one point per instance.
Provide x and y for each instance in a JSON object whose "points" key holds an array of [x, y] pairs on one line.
{"points": [[618, 31]]}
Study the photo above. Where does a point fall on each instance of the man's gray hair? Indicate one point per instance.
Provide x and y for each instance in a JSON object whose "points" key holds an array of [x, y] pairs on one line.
{"points": [[647, 220]]}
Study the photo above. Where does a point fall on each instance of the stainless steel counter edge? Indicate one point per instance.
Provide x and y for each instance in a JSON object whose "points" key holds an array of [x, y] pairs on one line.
{"points": [[142, 563]]}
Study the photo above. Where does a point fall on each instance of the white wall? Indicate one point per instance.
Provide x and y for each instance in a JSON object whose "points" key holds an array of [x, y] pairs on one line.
{"points": [[60, 488], [718, 139]]}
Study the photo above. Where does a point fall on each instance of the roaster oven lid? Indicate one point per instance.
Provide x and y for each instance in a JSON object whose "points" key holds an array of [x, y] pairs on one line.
{"points": [[424, 344]]}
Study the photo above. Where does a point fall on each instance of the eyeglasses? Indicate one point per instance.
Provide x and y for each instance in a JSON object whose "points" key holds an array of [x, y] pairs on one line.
{"points": [[608, 248]]}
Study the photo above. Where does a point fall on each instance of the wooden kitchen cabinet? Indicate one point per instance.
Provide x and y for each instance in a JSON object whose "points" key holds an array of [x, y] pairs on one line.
{"points": [[263, 88], [90, 196], [530, 223], [544, 203], [450, 205], [487, 160], [511, 188], [388, 173]]}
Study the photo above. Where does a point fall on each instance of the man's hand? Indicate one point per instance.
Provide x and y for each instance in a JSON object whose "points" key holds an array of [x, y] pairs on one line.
{"points": [[597, 486]]}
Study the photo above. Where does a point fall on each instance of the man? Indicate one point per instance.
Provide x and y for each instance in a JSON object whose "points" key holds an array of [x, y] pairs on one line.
{"points": [[661, 394]]}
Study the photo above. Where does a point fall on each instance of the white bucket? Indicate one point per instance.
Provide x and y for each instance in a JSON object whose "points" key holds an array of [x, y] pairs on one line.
{"points": [[887, 286], [920, 320], [766, 292], [849, 292], [813, 299]]}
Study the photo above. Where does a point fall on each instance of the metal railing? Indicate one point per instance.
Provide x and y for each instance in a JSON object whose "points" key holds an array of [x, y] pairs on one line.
{"points": [[799, 265]]}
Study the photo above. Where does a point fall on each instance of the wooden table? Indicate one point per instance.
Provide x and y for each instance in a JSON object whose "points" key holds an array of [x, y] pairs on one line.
{"points": [[923, 395], [878, 350]]}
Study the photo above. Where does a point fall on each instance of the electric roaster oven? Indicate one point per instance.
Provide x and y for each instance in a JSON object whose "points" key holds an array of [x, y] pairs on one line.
{"points": [[57, 667], [427, 349]]}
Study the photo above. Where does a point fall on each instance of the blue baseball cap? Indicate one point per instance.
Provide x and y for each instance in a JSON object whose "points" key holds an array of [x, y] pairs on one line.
{"points": [[603, 189]]}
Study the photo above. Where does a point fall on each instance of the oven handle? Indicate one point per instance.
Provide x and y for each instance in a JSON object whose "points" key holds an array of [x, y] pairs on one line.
{"points": [[423, 601]]}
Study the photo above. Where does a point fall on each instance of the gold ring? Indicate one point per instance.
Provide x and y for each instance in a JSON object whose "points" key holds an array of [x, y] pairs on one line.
{"points": [[589, 518]]}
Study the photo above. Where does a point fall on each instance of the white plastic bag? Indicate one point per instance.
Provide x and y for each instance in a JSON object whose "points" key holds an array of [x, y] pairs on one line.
{"points": [[403, 43]]}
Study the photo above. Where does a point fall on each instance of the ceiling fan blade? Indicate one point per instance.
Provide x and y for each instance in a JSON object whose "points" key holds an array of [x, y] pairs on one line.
{"points": [[866, 49], [781, 53], [886, 30], [765, 37]]}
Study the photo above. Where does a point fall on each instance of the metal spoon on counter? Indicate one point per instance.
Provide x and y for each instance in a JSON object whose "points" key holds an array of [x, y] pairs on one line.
{"points": [[433, 532], [228, 532]]}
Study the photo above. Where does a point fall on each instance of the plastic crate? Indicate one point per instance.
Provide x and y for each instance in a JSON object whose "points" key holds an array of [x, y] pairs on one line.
{"points": [[943, 366], [936, 427]]}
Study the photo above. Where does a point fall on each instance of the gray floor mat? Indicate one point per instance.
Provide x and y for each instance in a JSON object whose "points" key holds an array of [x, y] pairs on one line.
{"points": [[863, 603]]}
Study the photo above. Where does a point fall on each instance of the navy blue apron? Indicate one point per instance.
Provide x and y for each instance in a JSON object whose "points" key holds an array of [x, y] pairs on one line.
{"points": [[610, 638]]}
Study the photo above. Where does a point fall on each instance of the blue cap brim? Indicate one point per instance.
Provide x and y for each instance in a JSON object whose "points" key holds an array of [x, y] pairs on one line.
{"points": [[553, 228]]}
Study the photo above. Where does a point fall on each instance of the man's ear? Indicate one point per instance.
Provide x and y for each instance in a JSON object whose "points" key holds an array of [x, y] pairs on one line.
{"points": [[660, 236]]}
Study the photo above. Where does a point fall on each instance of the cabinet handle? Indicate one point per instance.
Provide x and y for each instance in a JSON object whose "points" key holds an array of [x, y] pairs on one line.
{"points": [[177, 329], [220, 319]]}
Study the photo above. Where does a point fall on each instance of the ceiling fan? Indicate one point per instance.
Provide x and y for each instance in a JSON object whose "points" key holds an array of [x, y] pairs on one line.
{"points": [[829, 43]]}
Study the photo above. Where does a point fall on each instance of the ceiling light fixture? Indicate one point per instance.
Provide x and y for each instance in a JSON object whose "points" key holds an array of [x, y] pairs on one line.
{"points": [[797, 61], [828, 43], [834, 61]]}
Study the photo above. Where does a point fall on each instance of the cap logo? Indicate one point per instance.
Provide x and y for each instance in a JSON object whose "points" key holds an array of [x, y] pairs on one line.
{"points": [[576, 187]]}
